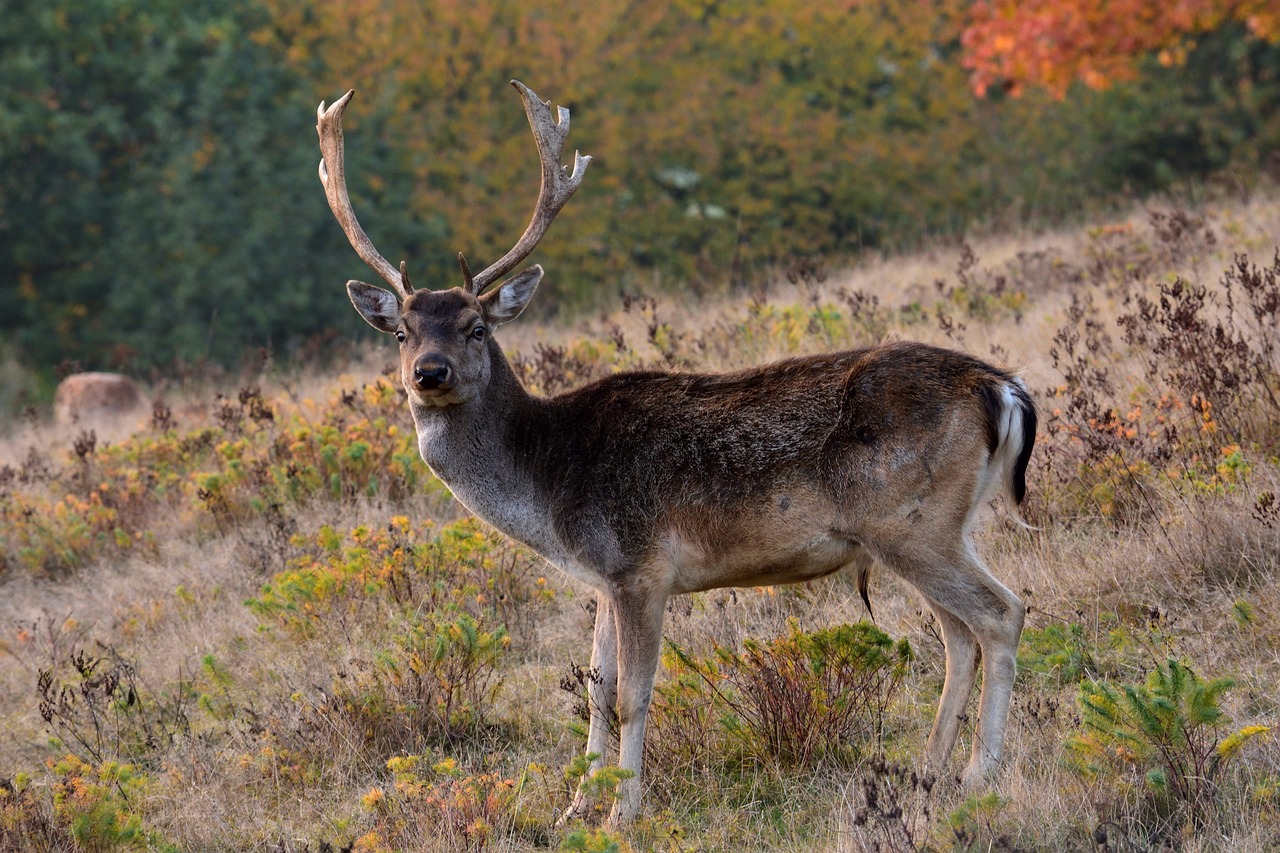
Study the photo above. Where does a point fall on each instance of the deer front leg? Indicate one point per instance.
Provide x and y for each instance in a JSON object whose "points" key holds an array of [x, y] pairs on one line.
{"points": [[638, 617], [602, 699]]}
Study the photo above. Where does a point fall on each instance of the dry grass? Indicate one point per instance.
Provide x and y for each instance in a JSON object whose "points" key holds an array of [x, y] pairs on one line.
{"points": [[274, 750]]}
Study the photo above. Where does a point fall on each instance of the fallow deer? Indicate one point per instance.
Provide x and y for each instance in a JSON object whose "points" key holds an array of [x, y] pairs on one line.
{"points": [[649, 484]]}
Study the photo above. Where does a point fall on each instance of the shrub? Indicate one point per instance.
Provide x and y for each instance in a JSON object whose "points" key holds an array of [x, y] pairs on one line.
{"points": [[438, 682], [792, 700], [434, 673], [91, 807], [1205, 393], [438, 806], [1161, 739], [103, 709]]}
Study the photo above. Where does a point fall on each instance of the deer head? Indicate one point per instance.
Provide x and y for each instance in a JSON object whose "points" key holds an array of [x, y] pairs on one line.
{"points": [[445, 351]]}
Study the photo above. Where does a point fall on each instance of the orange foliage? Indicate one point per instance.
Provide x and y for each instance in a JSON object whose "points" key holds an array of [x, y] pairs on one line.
{"points": [[1052, 43]]}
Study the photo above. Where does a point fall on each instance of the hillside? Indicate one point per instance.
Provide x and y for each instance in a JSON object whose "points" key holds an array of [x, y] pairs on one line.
{"points": [[255, 621]]}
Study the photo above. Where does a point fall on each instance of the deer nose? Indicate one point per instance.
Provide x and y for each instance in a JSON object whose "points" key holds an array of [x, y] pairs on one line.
{"points": [[431, 374]]}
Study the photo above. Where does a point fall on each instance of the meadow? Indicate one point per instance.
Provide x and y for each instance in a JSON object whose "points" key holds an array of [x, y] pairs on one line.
{"points": [[255, 620]]}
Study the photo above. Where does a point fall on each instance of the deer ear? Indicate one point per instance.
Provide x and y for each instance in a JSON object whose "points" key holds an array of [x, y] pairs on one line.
{"points": [[378, 307], [505, 304]]}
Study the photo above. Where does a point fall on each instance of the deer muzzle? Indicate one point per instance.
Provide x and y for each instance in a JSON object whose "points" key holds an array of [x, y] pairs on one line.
{"points": [[433, 374]]}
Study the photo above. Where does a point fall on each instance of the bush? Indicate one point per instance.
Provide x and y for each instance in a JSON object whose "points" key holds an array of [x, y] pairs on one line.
{"points": [[792, 701], [437, 683], [1161, 740], [92, 807], [439, 807]]}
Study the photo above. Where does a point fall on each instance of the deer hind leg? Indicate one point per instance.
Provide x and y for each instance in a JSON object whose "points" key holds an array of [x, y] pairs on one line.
{"points": [[961, 651], [972, 606], [998, 632], [602, 699]]}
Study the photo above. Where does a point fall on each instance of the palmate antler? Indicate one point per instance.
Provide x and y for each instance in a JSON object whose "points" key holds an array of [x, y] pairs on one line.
{"points": [[558, 184]]}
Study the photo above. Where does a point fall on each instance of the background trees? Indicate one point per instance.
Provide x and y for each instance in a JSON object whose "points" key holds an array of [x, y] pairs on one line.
{"points": [[156, 185], [158, 199], [1053, 43]]}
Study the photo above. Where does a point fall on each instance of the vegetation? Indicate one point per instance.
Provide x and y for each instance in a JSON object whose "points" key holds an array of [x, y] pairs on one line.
{"points": [[258, 622], [160, 214]]}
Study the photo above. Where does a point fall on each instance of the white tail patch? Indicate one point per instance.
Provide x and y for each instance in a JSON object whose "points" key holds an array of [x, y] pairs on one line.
{"points": [[1001, 469]]}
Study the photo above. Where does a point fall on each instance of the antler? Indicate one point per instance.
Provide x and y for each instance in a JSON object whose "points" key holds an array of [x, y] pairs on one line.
{"points": [[558, 183], [333, 176]]}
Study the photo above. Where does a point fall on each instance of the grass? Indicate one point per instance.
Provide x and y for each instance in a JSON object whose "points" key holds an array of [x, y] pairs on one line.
{"points": [[256, 622]]}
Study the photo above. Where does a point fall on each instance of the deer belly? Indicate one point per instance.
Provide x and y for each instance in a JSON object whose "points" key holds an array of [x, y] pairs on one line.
{"points": [[700, 566]]}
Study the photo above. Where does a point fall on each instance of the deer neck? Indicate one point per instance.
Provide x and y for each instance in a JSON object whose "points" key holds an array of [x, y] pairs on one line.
{"points": [[469, 447]]}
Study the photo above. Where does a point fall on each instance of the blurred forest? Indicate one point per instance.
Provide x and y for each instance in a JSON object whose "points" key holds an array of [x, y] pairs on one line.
{"points": [[159, 206]]}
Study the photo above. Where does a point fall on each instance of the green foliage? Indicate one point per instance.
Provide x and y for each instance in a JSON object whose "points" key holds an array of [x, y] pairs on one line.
{"points": [[161, 155], [157, 200], [975, 825], [407, 565], [255, 460], [794, 699], [1060, 653], [600, 786], [438, 675], [443, 676], [591, 841], [97, 807], [1070, 653], [1163, 736]]}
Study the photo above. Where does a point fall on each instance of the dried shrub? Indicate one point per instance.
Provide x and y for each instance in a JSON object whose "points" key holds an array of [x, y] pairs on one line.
{"points": [[896, 810], [99, 706], [1202, 405]]}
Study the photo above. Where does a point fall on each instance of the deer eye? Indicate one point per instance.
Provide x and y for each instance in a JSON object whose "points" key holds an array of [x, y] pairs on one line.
{"points": [[399, 335], [478, 333]]}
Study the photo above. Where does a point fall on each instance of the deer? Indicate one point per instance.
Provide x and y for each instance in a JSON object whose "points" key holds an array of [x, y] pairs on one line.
{"points": [[646, 485]]}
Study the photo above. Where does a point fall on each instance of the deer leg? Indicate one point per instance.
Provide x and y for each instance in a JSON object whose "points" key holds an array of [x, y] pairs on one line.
{"points": [[602, 699], [971, 605], [998, 634], [961, 652], [638, 617]]}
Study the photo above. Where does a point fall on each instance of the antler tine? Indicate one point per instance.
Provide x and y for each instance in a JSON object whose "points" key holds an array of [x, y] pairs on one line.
{"points": [[558, 183], [467, 281], [333, 176]]}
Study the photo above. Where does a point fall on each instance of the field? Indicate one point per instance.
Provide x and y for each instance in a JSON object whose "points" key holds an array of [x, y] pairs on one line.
{"points": [[255, 621]]}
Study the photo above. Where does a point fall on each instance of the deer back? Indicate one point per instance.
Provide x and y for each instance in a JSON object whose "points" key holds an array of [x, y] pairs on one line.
{"points": [[859, 442]]}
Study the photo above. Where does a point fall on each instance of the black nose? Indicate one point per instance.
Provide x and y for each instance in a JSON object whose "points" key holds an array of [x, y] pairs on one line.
{"points": [[431, 377]]}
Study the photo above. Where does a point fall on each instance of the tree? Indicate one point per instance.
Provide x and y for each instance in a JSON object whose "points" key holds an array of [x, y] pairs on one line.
{"points": [[1053, 43], [158, 196]]}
